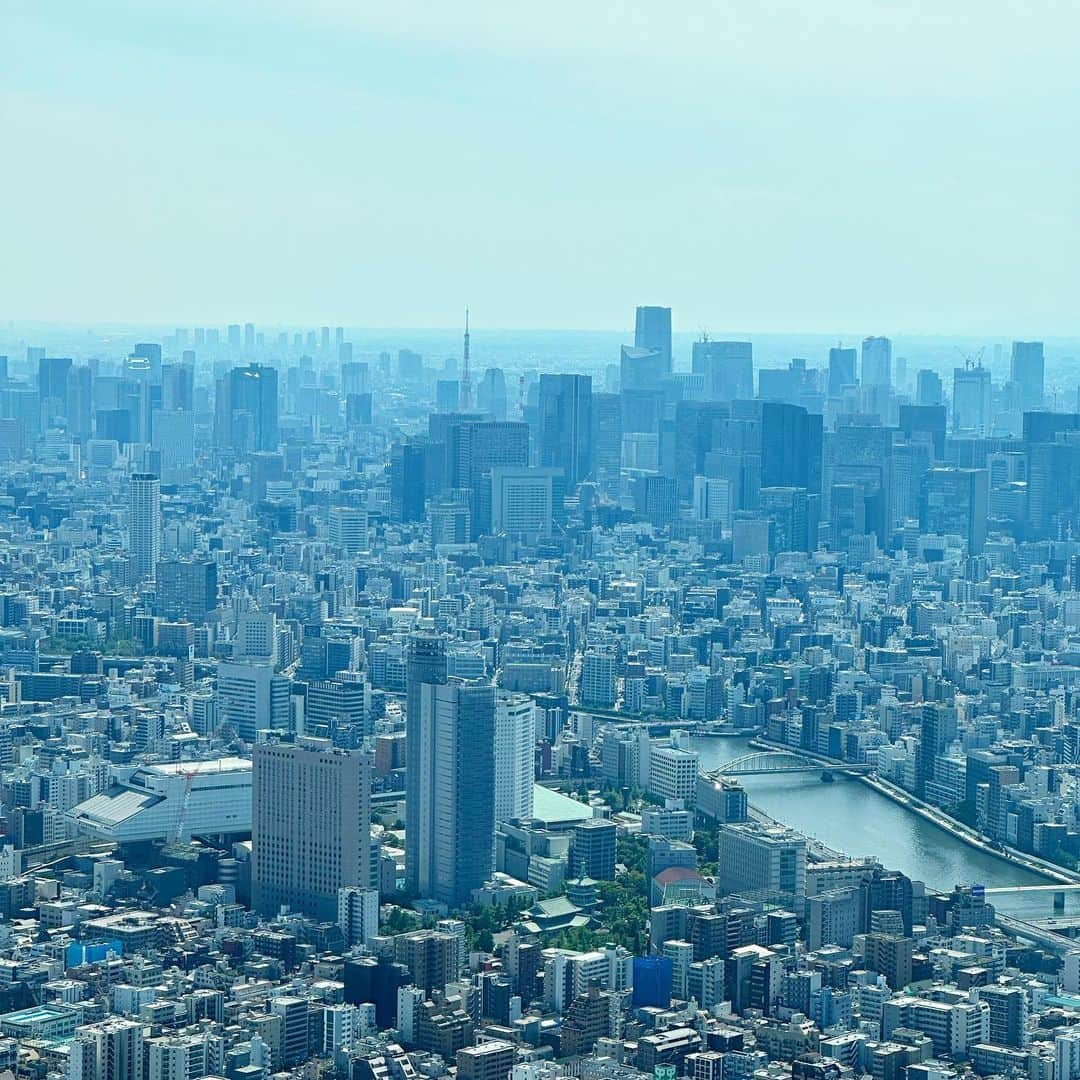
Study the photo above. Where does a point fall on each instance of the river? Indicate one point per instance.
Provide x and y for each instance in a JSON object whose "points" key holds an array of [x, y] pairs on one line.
{"points": [[851, 817]]}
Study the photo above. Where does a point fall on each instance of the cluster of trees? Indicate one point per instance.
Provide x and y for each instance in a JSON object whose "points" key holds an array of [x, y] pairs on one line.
{"points": [[65, 646], [623, 908], [707, 843], [484, 921]]}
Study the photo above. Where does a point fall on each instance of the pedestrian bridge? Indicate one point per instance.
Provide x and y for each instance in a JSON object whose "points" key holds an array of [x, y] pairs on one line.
{"points": [[782, 761]]}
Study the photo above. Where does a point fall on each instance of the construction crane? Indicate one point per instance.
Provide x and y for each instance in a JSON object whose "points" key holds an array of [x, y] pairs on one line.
{"points": [[189, 777], [972, 359]]}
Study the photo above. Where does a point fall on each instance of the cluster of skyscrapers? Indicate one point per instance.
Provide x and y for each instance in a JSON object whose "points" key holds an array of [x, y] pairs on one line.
{"points": [[360, 710]]}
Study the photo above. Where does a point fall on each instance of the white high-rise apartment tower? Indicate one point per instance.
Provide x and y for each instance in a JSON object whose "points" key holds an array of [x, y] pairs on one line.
{"points": [[515, 741], [145, 524]]}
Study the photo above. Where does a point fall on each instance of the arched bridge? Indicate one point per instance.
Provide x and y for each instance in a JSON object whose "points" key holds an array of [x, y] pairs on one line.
{"points": [[783, 761]]}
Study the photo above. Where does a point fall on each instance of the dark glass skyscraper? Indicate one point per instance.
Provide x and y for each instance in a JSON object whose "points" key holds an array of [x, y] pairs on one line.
{"points": [[841, 370], [652, 330], [791, 446], [425, 663], [1026, 369], [409, 480], [728, 368], [456, 855], [955, 501], [249, 412], [606, 437], [565, 423]]}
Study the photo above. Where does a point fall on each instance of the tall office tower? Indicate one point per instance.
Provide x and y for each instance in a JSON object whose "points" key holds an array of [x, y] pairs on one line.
{"points": [[841, 370], [606, 437], [491, 393], [234, 336], [256, 638], [249, 338], [652, 330], [972, 401], [310, 826], [641, 369], [642, 411], [711, 500], [728, 368], [473, 449], [522, 501], [910, 460], [79, 402], [145, 524], [451, 520], [458, 781], [1027, 369], [354, 377], [447, 394], [795, 515], [173, 437], [178, 385], [348, 527], [877, 362], [253, 696], [358, 410], [656, 499], [1052, 447], [109, 1050], [53, 385], [925, 421], [336, 709], [928, 389], [186, 588], [412, 469], [956, 501], [565, 425], [150, 351], [425, 663], [858, 467], [791, 445], [515, 740], [696, 433], [251, 407]]}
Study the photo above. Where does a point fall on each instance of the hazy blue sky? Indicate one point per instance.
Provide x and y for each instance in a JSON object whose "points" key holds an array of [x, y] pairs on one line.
{"points": [[846, 165]]}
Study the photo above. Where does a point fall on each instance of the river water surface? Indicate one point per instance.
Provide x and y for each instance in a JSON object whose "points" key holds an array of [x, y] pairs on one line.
{"points": [[853, 818]]}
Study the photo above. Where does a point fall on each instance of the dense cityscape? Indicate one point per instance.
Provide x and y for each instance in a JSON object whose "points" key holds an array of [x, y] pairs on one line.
{"points": [[384, 714]]}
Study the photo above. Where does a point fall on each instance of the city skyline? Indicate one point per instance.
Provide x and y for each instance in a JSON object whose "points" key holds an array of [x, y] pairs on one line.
{"points": [[496, 700]]}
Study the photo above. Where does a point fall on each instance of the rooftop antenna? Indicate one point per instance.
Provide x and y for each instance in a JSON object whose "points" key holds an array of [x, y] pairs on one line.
{"points": [[465, 402]]}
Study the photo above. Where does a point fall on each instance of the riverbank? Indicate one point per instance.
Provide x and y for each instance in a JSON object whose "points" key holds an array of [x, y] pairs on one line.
{"points": [[937, 817], [967, 835]]}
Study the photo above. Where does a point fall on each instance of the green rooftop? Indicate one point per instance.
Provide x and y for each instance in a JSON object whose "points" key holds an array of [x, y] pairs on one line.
{"points": [[557, 810]]}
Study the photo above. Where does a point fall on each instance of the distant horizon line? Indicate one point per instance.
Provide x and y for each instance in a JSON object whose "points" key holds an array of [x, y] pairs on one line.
{"points": [[845, 338]]}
